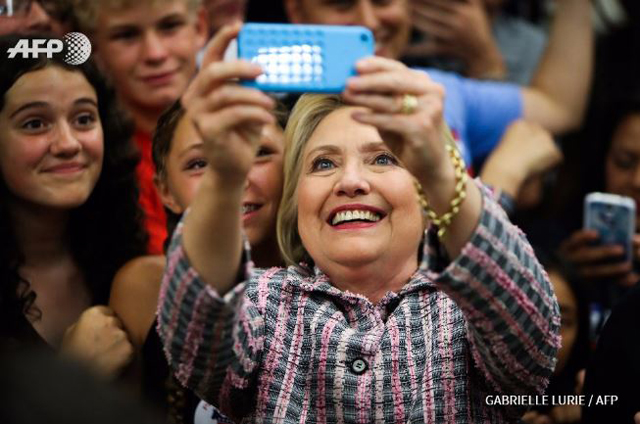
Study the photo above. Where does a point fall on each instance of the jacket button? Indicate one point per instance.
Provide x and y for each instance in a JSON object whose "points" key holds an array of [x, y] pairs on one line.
{"points": [[359, 366]]}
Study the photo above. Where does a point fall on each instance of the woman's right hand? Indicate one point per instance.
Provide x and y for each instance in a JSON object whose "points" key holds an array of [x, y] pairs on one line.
{"points": [[228, 116], [593, 261]]}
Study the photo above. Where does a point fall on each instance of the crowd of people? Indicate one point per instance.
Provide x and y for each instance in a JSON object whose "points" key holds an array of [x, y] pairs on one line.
{"points": [[193, 250]]}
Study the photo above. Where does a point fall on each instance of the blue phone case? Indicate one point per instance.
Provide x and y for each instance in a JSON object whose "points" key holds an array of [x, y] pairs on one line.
{"points": [[613, 217], [304, 58]]}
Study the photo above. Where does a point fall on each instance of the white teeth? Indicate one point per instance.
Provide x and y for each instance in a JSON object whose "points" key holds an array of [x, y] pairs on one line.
{"points": [[359, 215], [249, 208]]}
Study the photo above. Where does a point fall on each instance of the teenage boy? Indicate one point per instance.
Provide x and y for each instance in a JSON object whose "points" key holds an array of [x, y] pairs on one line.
{"points": [[148, 50]]}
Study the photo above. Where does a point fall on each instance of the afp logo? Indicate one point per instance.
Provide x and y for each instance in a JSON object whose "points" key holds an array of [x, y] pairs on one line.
{"points": [[78, 48]]}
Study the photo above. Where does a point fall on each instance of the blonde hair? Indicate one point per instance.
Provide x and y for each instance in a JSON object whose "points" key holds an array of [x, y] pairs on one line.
{"points": [[86, 11], [308, 112]]}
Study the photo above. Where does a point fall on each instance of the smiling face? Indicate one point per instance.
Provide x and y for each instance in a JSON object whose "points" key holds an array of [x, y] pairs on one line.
{"points": [[356, 204], [264, 188], [149, 50], [622, 168], [389, 20], [51, 141], [186, 164]]}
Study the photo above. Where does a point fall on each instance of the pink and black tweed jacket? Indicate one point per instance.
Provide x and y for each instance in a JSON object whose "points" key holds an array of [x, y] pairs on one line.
{"points": [[285, 346]]}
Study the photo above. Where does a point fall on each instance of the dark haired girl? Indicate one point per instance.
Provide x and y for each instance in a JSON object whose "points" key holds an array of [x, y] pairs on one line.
{"points": [[68, 207]]}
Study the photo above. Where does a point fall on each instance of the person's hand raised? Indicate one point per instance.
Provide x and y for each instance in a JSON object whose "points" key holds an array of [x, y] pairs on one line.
{"points": [[414, 132], [228, 116], [594, 261], [458, 29]]}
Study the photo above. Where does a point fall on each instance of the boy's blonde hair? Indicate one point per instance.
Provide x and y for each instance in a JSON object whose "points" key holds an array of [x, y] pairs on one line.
{"points": [[86, 11]]}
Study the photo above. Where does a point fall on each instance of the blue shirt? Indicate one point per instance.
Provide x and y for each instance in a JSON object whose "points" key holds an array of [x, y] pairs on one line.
{"points": [[478, 112]]}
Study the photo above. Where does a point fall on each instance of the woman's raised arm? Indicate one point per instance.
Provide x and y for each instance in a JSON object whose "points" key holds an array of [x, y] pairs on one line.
{"points": [[209, 331], [229, 118], [493, 276]]}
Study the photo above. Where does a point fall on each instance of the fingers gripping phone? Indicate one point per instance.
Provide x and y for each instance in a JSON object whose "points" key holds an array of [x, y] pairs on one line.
{"points": [[304, 58], [613, 217]]}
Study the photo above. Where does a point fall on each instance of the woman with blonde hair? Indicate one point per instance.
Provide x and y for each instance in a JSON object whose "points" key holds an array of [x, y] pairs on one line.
{"points": [[370, 322]]}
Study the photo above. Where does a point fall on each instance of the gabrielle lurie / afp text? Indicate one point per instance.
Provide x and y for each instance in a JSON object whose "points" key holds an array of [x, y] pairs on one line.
{"points": [[550, 400]]}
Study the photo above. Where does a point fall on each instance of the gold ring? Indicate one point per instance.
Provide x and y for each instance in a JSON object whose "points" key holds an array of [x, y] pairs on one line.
{"points": [[409, 104]]}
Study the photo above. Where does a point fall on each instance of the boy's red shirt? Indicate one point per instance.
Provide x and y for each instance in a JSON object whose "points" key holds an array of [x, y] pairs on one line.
{"points": [[155, 220]]}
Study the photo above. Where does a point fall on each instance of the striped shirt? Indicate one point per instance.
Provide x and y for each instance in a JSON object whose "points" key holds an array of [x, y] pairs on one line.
{"points": [[286, 346]]}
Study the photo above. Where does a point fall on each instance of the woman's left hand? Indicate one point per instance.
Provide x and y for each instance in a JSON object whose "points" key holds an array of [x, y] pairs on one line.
{"points": [[414, 134], [406, 107]]}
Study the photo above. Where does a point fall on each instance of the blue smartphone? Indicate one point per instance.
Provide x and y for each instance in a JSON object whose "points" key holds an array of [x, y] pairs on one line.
{"points": [[304, 58], [613, 217]]}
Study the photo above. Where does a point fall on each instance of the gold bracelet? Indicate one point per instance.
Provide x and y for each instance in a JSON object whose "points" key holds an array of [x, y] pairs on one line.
{"points": [[443, 221]]}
